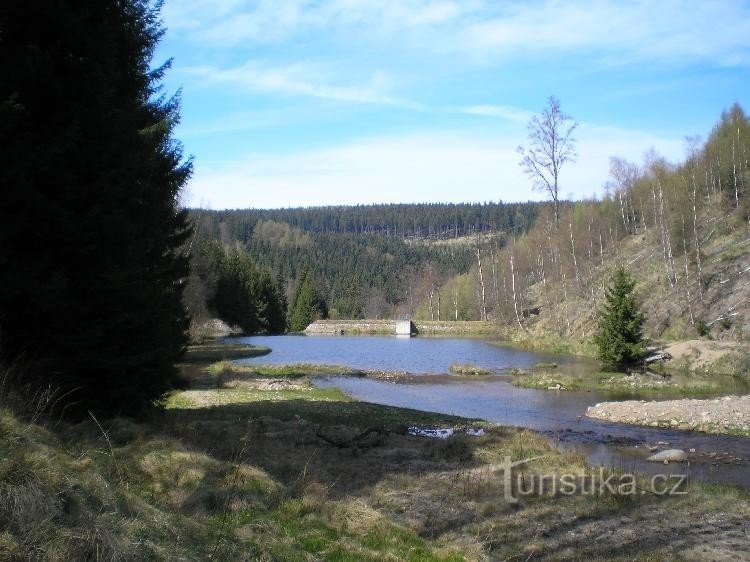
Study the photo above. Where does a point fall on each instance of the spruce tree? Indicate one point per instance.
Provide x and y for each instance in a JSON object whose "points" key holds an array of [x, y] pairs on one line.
{"points": [[236, 296], [90, 230], [307, 305], [271, 305], [620, 339]]}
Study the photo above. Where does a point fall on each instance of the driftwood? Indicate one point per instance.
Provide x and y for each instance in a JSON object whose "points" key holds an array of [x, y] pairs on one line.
{"points": [[357, 440], [661, 356]]}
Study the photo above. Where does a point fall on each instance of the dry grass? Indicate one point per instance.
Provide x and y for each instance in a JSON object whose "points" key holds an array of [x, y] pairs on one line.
{"points": [[247, 476]]}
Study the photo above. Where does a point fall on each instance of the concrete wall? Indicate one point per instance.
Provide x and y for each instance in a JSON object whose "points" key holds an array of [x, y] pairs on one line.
{"points": [[405, 328], [389, 327]]}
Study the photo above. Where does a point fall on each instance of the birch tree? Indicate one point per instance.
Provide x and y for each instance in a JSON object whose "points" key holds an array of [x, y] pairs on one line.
{"points": [[551, 145]]}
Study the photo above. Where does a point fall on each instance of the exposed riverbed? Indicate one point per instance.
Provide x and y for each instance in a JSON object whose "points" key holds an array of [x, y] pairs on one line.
{"points": [[559, 415]]}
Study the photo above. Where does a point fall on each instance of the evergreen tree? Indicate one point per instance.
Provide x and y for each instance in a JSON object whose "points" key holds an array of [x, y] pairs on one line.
{"points": [[90, 230], [620, 338], [271, 307], [307, 305], [236, 296]]}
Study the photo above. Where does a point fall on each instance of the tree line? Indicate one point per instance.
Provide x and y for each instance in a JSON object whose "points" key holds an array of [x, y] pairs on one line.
{"points": [[407, 220]]}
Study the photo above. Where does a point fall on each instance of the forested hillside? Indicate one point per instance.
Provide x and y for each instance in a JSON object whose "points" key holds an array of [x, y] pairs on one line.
{"points": [[373, 261], [419, 220], [681, 229]]}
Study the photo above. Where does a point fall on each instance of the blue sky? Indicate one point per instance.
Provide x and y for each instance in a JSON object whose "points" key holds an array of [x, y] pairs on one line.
{"points": [[294, 103]]}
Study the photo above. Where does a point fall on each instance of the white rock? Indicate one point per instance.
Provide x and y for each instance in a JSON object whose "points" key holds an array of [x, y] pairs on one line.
{"points": [[670, 455]]}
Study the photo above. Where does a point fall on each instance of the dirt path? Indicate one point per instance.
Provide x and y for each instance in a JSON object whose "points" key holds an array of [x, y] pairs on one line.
{"points": [[730, 414], [703, 353]]}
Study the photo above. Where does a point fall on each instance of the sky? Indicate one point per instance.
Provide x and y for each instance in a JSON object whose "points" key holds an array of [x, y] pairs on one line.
{"points": [[290, 103]]}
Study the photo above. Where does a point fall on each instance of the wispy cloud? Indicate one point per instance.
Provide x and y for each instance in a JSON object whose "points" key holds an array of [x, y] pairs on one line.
{"points": [[506, 112], [673, 31], [666, 31], [303, 80], [434, 167], [233, 22]]}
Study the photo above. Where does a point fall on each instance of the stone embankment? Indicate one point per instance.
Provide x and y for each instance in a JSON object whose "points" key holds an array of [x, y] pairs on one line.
{"points": [[425, 327], [352, 327], [730, 414]]}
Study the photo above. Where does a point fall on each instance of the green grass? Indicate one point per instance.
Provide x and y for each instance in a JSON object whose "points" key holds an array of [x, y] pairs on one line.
{"points": [[214, 351], [85, 495], [466, 369], [622, 385], [549, 344], [288, 371]]}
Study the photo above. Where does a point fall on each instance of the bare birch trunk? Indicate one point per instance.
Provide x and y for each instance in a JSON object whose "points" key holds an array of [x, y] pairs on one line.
{"points": [[687, 274], [481, 283], [696, 239], [665, 242], [455, 299], [622, 210], [432, 312], [573, 252], [734, 173], [513, 285]]}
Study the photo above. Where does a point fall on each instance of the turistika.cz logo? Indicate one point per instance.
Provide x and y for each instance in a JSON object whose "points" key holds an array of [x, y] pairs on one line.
{"points": [[601, 483]]}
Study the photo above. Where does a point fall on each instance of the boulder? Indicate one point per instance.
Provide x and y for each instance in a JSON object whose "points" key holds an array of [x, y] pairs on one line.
{"points": [[669, 455]]}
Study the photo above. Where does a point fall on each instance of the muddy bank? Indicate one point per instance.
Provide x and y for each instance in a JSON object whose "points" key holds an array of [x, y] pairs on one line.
{"points": [[730, 414]]}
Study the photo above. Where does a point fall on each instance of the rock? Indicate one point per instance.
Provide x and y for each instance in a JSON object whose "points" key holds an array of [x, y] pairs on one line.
{"points": [[427, 432], [475, 432], [670, 455]]}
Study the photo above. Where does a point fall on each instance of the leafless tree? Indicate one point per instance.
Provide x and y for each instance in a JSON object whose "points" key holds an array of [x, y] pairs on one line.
{"points": [[551, 145]]}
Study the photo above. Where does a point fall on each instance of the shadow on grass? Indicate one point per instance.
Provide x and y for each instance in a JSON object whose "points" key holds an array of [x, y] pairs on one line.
{"points": [[284, 438]]}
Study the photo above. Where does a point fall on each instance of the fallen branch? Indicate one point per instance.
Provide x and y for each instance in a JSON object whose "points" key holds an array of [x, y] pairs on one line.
{"points": [[354, 441]]}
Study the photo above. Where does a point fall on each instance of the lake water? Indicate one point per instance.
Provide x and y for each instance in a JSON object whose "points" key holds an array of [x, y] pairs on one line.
{"points": [[557, 414], [421, 355]]}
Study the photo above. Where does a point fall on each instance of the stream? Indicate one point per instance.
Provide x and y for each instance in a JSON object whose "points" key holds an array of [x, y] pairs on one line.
{"points": [[558, 415]]}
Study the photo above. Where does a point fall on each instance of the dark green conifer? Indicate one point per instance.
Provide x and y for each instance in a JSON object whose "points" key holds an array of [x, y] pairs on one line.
{"points": [[307, 305], [620, 339], [90, 230]]}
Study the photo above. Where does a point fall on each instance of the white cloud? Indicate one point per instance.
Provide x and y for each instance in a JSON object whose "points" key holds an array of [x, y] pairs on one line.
{"points": [[235, 22], [674, 31], [507, 112], [669, 30], [301, 79], [438, 167]]}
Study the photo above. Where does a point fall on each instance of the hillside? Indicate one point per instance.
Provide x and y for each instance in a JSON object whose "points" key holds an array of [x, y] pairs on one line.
{"points": [[374, 261], [681, 230]]}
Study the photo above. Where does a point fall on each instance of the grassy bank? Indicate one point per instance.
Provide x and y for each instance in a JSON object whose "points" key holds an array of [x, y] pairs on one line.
{"points": [[548, 343], [264, 466], [216, 351], [623, 385]]}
